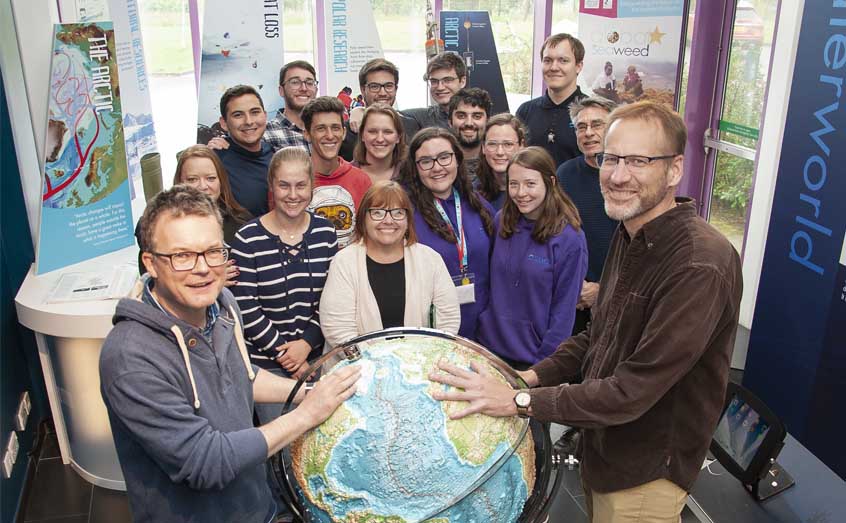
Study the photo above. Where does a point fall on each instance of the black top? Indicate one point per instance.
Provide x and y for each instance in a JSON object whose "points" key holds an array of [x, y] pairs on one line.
{"points": [[549, 126], [387, 280]]}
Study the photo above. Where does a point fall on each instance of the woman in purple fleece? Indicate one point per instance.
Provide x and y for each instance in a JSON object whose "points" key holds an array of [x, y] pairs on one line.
{"points": [[538, 264]]}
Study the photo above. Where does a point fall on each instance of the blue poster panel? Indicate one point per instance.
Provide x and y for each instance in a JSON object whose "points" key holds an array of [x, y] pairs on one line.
{"points": [[469, 34], [797, 349], [85, 208]]}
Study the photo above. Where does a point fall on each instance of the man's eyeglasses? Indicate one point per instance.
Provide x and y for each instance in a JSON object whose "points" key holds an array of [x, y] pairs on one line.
{"points": [[506, 146], [434, 82], [634, 162], [374, 87], [296, 83], [187, 260], [427, 163], [379, 214], [596, 125]]}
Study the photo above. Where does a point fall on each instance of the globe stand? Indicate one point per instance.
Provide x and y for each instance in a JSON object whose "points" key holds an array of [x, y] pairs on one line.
{"points": [[547, 477]]}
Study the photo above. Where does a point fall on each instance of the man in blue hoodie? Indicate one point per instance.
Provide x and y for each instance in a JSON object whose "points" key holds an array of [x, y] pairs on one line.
{"points": [[178, 385]]}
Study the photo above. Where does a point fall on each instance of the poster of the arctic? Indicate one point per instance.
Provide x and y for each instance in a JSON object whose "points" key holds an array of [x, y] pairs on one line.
{"points": [[85, 201]]}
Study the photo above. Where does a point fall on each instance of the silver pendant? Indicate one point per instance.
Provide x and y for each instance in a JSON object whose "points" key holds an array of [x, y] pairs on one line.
{"points": [[550, 137]]}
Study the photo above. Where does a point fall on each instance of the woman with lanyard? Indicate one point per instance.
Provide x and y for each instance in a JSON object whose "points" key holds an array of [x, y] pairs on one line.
{"points": [[451, 217], [381, 143], [385, 278], [283, 257], [538, 265]]}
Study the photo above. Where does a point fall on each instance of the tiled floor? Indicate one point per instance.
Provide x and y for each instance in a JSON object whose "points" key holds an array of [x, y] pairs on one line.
{"points": [[59, 495]]}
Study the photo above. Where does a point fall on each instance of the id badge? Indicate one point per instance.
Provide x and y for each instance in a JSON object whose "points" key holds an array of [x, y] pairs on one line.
{"points": [[465, 287]]}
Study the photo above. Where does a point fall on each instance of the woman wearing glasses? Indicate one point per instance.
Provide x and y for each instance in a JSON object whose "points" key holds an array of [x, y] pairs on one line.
{"points": [[381, 143], [284, 256], [385, 277], [504, 135], [199, 167], [451, 217], [539, 262]]}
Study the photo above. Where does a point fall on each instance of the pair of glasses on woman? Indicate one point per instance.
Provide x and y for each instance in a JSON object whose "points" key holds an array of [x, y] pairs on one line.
{"points": [[187, 260], [380, 214], [427, 163]]}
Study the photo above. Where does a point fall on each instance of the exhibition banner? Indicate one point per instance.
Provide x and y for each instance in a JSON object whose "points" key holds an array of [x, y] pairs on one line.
{"points": [[632, 49], [796, 361], [139, 132], [352, 40], [85, 208], [242, 44], [469, 34]]}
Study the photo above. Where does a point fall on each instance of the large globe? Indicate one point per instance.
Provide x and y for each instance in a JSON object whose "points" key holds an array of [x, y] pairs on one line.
{"points": [[391, 454]]}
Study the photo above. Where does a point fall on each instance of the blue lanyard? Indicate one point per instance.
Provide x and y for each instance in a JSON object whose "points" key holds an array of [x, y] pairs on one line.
{"points": [[461, 244]]}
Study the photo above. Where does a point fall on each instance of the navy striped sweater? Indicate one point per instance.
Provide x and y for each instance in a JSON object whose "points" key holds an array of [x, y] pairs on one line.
{"points": [[279, 286]]}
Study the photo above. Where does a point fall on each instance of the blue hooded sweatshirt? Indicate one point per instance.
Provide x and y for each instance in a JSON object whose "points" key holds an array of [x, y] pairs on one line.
{"points": [[534, 291], [181, 412]]}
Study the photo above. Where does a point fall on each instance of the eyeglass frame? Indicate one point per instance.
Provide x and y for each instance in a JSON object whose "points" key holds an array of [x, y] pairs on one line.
{"points": [[594, 125], [197, 255], [494, 146], [299, 83], [387, 212], [434, 82], [379, 87], [434, 160], [600, 160]]}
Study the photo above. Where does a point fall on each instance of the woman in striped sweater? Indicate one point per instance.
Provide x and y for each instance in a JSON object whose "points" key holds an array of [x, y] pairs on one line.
{"points": [[283, 257]]}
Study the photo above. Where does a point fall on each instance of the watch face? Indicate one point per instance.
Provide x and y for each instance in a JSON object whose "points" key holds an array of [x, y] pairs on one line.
{"points": [[523, 399]]}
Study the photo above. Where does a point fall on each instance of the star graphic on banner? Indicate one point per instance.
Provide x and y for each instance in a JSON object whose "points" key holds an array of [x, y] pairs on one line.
{"points": [[655, 36]]}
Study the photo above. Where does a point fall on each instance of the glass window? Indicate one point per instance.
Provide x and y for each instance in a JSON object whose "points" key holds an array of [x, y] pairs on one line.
{"points": [[743, 101], [565, 17], [298, 31], [168, 51], [402, 31]]}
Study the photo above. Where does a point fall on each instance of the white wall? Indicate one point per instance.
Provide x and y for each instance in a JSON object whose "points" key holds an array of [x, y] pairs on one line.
{"points": [[26, 28]]}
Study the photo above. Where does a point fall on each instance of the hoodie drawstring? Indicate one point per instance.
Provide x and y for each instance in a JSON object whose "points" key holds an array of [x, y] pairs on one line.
{"points": [[180, 340], [242, 346]]}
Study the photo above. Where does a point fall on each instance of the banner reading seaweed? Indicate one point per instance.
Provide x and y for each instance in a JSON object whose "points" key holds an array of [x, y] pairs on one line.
{"points": [[352, 40], [631, 49], [85, 208], [242, 44], [140, 134], [469, 35]]}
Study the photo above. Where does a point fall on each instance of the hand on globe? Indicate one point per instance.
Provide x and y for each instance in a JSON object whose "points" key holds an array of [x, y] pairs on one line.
{"points": [[332, 390], [485, 393]]}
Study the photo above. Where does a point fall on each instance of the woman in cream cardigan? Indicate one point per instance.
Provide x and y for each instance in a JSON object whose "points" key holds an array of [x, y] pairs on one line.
{"points": [[385, 278]]}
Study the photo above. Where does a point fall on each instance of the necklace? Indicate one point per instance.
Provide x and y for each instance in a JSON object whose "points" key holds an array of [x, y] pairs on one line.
{"points": [[297, 228]]}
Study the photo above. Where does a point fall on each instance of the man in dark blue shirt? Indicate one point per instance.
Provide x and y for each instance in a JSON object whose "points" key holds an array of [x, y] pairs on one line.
{"points": [[579, 178], [547, 117], [247, 159]]}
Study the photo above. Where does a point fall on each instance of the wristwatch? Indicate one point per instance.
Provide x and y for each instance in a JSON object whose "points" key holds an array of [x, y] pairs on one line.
{"points": [[523, 400]]}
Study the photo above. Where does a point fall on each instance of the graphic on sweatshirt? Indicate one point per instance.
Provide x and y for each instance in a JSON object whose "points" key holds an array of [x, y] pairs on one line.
{"points": [[336, 204]]}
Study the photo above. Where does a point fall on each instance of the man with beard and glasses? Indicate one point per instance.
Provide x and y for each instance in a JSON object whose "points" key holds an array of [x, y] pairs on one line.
{"points": [[646, 382], [379, 81], [297, 86], [246, 155], [469, 110]]}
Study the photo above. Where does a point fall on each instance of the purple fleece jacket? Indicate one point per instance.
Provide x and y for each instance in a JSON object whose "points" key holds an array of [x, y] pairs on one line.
{"points": [[478, 256], [534, 291]]}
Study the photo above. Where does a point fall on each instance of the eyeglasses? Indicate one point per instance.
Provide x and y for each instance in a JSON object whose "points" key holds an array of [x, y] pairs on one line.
{"points": [[427, 163], [506, 146], [187, 260], [379, 214], [596, 125], [634, 162], [374, 87], [296, 83], [434, 82]]}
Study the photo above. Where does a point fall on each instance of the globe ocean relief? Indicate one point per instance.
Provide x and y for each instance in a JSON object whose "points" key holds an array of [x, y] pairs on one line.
{"points": [[391, 454]]}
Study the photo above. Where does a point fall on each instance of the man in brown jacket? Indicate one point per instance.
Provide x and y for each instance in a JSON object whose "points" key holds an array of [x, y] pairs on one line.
{"points": [[646, 381]]}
